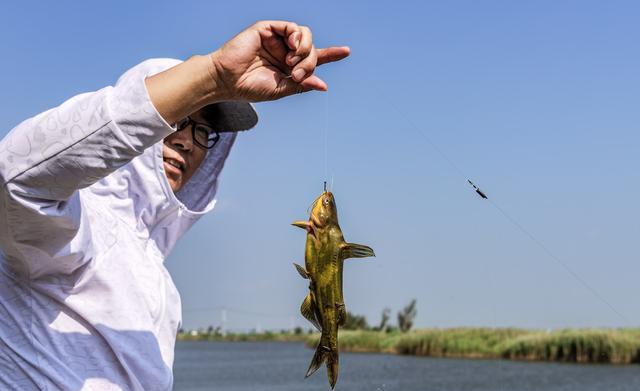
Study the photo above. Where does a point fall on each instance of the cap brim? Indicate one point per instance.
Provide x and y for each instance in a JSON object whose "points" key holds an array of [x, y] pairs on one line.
{"points": [[230, 116]]}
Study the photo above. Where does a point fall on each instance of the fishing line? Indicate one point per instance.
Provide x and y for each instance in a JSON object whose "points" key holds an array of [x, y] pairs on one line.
{"points": [[513, 221], [558, 260], [326, 136]]}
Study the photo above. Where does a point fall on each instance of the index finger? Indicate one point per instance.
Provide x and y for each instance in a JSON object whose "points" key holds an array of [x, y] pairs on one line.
{"points": [[331, 54]]}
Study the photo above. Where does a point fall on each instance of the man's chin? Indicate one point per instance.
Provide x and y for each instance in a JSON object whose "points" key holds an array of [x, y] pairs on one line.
{"points": [[174, 177], [174, 184]]}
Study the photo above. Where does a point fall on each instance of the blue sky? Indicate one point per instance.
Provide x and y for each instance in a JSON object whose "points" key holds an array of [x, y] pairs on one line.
{"points": [[536, 102]]}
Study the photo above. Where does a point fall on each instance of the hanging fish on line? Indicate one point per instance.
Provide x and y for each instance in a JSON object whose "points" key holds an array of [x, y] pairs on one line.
{"points": [[325, 252], [480, 193]]}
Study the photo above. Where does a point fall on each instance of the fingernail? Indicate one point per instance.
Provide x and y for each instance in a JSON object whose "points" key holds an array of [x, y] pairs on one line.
{"points": [[294, 60], [298, 74]]}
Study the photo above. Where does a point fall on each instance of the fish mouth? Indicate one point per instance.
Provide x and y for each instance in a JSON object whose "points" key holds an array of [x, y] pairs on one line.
{"points": [[316, 222]]}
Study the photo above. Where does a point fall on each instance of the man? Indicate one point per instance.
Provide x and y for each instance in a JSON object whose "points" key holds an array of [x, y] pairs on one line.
{"points": [[96, 192]]}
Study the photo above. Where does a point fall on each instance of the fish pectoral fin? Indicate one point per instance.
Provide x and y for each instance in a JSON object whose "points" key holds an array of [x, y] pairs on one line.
{"points": [[307, 309], [306, 225], [353, 250], [303, 272]]}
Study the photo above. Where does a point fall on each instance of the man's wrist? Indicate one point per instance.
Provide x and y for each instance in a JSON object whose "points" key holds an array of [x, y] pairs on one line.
{"points": [[219, 90], [184, 89]]}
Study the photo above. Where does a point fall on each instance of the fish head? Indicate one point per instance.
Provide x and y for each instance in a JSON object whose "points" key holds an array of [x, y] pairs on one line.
{"points": [[324, 211]]}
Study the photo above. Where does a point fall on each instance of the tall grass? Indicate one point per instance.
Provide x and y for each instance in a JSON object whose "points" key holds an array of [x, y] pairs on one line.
{"points": [[458, 342], [244, 337], [582, 346], [361, 341], [617, 346]]}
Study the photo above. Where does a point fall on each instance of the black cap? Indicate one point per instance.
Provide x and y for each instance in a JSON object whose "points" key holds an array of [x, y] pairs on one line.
{"points": [[230, 116]]}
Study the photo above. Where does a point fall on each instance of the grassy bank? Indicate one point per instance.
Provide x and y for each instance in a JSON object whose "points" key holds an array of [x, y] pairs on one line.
{"points": [[616, 346], [244, 337]]}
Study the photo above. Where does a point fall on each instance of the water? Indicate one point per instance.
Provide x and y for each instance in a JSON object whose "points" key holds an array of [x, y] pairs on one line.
{"points": [[271, 366]]}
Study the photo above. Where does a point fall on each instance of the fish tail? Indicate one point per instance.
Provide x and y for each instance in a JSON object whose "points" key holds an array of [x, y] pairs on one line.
{"points": [[319, 357], [325, 354], [332, 368]]}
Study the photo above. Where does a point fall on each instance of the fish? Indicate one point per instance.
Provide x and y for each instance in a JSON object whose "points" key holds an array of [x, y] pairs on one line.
{"points": [[325, 252]]}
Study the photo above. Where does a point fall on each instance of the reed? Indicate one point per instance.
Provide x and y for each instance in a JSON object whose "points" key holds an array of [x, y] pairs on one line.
{"points": [[244, 337], [361, 341], [615, 346], [457, 342], [580, 346]]}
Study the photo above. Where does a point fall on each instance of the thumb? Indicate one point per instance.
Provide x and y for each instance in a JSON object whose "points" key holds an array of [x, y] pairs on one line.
{"points": [[291, 87]]}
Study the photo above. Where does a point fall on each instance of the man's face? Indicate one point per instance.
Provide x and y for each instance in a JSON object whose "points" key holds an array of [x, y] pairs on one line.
{"points": [[182, 156]]}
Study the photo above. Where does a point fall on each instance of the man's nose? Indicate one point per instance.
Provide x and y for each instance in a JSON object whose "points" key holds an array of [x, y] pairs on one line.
{"points": [[183, 139]]}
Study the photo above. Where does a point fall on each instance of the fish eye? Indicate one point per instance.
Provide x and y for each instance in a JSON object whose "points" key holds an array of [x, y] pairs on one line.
{"points": [[326, 201]]}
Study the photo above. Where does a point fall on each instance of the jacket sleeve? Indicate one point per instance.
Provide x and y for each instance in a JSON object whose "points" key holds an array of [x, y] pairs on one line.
{"points": [[46, 159]]}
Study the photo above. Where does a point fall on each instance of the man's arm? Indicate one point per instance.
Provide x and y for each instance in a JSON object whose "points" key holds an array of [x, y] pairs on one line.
{"points": [[267, 61], [46, 159]]}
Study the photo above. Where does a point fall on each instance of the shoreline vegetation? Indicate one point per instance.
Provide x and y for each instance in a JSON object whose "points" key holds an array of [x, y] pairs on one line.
{"points": [[593, 346]]}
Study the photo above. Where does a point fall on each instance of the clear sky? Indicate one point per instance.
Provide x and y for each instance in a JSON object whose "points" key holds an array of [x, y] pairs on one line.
{"points": [[536, 102]]}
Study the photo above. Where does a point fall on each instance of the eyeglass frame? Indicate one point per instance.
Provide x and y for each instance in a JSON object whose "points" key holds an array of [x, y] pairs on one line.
{"points": [[182, 124]]}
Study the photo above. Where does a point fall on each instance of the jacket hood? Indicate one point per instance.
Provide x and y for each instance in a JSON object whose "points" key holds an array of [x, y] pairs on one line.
{"points": [[140, 189]]}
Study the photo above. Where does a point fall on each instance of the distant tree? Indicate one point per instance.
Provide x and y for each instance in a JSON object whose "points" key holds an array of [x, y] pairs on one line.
{"points": [[384, 321], [406, 316], [297, 330], [355, 322], [391, 329]]}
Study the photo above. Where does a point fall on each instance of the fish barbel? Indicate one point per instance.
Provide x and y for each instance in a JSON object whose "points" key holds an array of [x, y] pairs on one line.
{"points": [[325, 252]]}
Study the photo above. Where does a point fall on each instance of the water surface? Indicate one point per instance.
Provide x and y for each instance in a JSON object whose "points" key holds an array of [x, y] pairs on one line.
{"points": [[271, 366]]}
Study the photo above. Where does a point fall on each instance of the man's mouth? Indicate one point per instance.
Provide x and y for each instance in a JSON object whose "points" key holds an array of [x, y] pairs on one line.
{"points": [[174, 163]]}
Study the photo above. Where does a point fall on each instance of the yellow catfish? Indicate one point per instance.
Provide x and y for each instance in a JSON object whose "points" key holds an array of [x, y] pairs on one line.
{"points": [[324, 306]]}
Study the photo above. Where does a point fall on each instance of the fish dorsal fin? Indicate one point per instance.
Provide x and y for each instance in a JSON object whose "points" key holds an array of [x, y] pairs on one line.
{"points": [[353, 250], [307, 310]]}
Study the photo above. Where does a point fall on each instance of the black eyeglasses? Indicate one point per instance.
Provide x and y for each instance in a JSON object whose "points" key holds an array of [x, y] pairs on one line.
{"points": [[203, 135]]}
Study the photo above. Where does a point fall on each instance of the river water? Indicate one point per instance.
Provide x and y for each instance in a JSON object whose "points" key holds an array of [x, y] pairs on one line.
{"points": [[271, 366]]}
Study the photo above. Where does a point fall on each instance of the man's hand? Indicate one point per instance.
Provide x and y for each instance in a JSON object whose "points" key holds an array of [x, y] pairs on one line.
{"points": [[268, 61]]}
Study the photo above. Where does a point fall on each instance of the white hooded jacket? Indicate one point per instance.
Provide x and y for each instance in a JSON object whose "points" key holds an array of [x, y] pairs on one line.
{"points": [[87, 219]]}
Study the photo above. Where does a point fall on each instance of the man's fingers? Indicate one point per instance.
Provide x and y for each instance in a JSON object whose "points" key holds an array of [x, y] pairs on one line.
{"points": [[306, 42], [293, 40], [305, 46], [288, 31], [290, 87], [305, 67], [313, 82], [332, 54], [275, 50]]}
